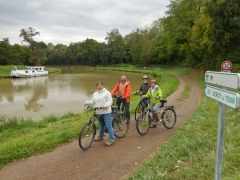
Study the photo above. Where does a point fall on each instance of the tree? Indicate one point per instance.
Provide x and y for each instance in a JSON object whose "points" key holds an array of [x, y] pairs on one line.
{"points": [[119, 50], [224, 29], [38, 55], [12, 54], [116, 45]]}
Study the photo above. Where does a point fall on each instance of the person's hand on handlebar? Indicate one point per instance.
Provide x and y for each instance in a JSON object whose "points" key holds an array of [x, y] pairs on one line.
{"points": [[85, 104], [104, 107], [157, 97], [121, 97]]}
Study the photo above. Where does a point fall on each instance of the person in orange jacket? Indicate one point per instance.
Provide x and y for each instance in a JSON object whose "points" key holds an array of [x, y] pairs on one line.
{"points": [[123, 88]]}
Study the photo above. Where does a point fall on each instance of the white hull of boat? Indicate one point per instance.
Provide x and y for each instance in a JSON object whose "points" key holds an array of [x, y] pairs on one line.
{"points": [[23, 74]]}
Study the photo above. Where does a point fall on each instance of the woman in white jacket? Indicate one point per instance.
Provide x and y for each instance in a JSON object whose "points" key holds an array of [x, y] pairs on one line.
{"points": [[102, 98]]}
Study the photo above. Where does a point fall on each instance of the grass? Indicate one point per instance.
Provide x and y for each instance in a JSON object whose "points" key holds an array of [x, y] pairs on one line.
{"points": [[5, 70], [20, 138], [24, 138], [185, 93], [191, 152]]}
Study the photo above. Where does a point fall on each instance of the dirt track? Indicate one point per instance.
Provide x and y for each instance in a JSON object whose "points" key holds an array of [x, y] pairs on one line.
{"points": [[101, 162]]}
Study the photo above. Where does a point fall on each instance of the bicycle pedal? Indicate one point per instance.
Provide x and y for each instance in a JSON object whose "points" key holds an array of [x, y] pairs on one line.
{"points": [[106, 131]]}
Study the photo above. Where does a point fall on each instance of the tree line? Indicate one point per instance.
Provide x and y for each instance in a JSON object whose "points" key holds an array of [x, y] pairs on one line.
{"points": [[193, 33]]}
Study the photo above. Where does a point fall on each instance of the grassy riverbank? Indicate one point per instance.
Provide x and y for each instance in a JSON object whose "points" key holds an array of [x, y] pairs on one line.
{"points": [[24, 138], [191, 152], [5, 70]]}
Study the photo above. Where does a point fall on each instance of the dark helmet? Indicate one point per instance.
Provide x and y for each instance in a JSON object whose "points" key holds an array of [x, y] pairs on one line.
{"points": [[144, 77]]}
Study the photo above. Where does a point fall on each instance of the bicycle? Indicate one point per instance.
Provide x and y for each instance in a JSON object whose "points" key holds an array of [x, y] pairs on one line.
{"points": [[119, 122], [119, 103], [168, 117], [141, 107]]}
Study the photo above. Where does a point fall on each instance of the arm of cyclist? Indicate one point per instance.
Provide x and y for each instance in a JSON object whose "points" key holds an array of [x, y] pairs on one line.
{"points": [[89, 102], [128, 92], [148, 95], [139, 90], [115, 89], [158, 94], [109, 101]]}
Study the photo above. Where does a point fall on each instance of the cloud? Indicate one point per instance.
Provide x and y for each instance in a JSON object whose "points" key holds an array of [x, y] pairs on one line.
{"points": [[75, 20]]}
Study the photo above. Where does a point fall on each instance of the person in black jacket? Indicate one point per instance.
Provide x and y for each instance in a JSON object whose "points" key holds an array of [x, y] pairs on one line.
{"points": [[144, 86]]}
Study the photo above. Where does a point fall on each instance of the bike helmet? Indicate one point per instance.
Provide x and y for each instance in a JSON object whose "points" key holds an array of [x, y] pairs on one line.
{"points": [[144, 77]]}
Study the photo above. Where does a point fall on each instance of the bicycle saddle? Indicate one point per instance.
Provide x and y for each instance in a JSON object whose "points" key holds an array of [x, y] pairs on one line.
{"points": [[163, 101]]}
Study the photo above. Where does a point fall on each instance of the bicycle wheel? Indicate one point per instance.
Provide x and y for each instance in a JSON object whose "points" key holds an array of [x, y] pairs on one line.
{"points": [[120, 125], [169, 118], [87, 135], [139, 109], [143, 123]]}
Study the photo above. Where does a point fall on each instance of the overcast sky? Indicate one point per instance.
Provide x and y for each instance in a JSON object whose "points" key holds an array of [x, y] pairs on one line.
{"points": [[66, 21]]}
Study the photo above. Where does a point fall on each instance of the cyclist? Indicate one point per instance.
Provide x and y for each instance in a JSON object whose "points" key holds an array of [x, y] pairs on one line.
{"points": [[102, 98], [123, 88], [144, 86], [155, 94]]}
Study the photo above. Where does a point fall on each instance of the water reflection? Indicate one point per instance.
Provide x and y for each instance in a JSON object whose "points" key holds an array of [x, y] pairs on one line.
{"points": [[56, 93], [39, 91]]}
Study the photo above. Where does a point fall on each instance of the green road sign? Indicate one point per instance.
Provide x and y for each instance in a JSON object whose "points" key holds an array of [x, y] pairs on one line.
{"points": [[229, 80], [226, 97]]}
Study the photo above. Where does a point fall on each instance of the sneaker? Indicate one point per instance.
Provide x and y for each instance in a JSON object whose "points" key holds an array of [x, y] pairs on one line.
{"points": [[109, 143], [153, 126], [159, 122], [99, 138]]}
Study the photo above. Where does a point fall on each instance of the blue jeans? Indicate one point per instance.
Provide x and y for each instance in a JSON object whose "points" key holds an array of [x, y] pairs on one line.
{"points": [[108, 122]]}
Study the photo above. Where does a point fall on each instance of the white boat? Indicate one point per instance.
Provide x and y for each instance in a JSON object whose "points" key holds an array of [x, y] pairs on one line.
{"points": [[30, 71]]}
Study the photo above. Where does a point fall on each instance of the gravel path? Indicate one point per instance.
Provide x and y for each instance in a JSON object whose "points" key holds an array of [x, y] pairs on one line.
{"points": [[101, 162]]}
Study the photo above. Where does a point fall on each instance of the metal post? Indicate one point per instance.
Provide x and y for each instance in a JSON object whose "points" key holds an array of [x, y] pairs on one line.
{"points": [[220, 141]]}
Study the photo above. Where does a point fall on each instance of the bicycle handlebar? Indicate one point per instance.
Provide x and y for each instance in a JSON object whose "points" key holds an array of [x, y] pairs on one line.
{"points": [[95, 108], [118, 97], [147, 98]]}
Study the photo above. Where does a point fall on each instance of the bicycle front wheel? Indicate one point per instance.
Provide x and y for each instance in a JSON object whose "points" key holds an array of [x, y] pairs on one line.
{"points": [[169, 118], [139, 109], [87, 135], [143, 123], [120, 125]]}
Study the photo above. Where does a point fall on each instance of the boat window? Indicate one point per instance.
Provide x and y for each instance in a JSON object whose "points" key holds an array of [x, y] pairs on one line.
{"points": [[26, 71]]}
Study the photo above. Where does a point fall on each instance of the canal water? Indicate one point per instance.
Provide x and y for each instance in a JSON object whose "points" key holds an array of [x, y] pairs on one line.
{"points": [[56, 94]]}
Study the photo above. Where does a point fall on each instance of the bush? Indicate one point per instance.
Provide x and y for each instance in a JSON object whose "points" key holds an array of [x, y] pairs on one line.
{"points": [[236, 68]]}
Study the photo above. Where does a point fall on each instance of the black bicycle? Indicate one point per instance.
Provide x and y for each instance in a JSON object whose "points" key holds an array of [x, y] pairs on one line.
{"points": [[141, 107], [168, 117], [119, 103], [119, 122]]}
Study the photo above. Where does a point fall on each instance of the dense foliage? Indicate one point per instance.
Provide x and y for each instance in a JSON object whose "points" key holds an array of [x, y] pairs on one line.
{"points": [[194, 33]]}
